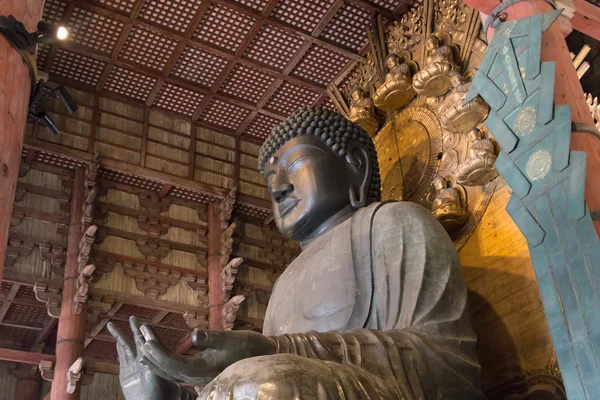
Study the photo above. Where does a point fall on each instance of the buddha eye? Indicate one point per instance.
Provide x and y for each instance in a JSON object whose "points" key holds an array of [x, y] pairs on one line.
{"points": [[296, 164]]}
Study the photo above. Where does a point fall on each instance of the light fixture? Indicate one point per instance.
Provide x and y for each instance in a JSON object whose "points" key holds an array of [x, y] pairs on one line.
{"points": [[62, 33], [43, 91]]}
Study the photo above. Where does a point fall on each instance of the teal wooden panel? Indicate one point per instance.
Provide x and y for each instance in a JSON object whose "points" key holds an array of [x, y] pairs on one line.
{"points": [[547, 204]]}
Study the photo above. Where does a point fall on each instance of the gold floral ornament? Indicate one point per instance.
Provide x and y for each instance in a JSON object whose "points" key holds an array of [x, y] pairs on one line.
{"points": [[449, 206], [362, 111], [456, 117], [407, 32], [478, 168], [435, 79], [397, 90]]}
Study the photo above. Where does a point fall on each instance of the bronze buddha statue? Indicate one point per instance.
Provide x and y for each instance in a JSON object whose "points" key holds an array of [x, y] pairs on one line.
{"points": [[374, 307], [435, 78], [449, 206], [478, 168], [397, 90], [362, 111]]}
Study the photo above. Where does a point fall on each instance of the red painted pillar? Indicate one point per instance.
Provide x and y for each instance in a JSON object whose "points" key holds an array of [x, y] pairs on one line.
{"points": [[567, 89], [71, 326], [14, 99], [28, 388], [214, 267]]}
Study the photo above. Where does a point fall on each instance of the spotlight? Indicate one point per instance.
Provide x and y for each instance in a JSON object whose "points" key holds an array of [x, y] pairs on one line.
{"points": [[47, 122], [63, 95], [49, 33], [62, 33]]}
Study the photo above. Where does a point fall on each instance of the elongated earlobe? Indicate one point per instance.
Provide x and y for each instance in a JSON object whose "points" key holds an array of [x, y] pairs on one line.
{"points": [[361, 170]]}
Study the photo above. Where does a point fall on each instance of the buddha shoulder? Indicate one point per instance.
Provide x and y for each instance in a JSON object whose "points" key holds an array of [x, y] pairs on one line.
{"points": [[402, 216]]}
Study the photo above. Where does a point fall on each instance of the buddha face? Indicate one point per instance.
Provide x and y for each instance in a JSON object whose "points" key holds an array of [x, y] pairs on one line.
{"points": [[308, 184], [392, 61], [432, 43], [439, 183], [358, 94], [474, 134]]}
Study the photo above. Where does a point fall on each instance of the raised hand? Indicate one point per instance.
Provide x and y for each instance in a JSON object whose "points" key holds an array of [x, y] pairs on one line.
{"points": [[221, 349], [137, 379]]}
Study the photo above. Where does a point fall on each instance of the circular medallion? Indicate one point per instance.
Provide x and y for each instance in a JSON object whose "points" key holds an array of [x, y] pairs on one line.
{"points": [[408, 147], [526, 121], [538, 165]]}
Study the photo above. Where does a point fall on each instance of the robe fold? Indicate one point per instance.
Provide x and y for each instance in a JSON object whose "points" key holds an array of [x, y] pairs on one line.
{"points": [[402, 332]]}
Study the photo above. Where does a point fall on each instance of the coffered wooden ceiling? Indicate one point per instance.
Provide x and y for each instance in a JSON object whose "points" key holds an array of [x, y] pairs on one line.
{"points": [[237, 66]]}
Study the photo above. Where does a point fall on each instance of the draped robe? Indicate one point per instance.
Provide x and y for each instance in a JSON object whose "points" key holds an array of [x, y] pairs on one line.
{"points": [[376, 308]]}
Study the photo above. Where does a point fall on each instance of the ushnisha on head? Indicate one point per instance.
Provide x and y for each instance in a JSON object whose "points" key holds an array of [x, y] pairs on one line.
{"points": [[318, 165]]}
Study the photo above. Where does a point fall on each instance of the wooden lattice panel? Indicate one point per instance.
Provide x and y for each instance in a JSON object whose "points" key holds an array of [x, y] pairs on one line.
{"points": [[5, 288], [178, 99], [261, 127], [289, 97], [19, 335], [320, 65], [273, 47], [389, 4], [175, 15], [134, 181], [327, 102], [54, 10], [199, 66], [304, 14], [174, 320], [247, 83], [124, 6], [222, 114], [27, 316], [101, 350], [258, 5], [170, 337], [224, 27], [348, 27], [77, 67], [94, 31], [58, 161], [25, 293], [250, 211], [142, 313], [147, 48], [42, 55], [193, 196], [123, 325], [129, 83]]}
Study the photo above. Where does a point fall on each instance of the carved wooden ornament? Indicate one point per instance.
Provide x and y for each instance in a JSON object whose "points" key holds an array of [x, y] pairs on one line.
{"points": [[229, 311], [51, 296]]}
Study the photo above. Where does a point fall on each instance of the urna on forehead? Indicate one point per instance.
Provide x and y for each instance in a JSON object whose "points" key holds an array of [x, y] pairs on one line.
{"points": [[332, 128]]}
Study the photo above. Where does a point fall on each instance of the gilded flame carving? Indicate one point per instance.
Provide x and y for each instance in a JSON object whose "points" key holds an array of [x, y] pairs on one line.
{"points": [[407, 32]]}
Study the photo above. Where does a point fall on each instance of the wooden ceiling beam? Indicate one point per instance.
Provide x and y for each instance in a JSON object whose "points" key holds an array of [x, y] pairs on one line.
{"points": [[348, 52], [190, 41], [373, 8], [44, 333], [6, 302], [100, 326], [335, 7], [26, 357]]}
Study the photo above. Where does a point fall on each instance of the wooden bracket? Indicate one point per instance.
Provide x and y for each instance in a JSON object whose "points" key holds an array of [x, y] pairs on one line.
{"points": [[83, 287], [153, 203], [151, 280], [51, 296], [228, 274], [81, 371], [229, 311], [85, 246], [226, 208], [153, 249], [153, 225], [17, 248], [227, 243], [195, 320], [98, 304], [46, 368], [104, 265], [53, 257]]}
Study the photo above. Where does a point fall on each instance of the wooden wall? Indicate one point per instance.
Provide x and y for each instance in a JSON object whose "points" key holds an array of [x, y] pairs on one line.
{"points": [[103, 387], [508, 317], [8, 383]]}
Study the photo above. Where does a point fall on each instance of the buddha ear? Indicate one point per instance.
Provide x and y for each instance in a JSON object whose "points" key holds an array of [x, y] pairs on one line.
{"points": [[360, 167]]}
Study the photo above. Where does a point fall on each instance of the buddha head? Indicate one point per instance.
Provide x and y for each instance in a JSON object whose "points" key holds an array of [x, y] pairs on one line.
{"points": [[357, 94], [392, 61], [457, 80], [474, 134], [432, 43], [317, 164]]}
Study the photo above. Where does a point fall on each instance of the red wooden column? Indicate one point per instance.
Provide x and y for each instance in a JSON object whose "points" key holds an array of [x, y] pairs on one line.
{"points": [[14, 99], [28, 387], [214, 267], [567, 89], [71, 326]]}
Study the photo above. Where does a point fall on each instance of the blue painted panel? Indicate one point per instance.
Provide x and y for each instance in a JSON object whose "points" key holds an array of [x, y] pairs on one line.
{"points": [[546, 105], [502, 133]]}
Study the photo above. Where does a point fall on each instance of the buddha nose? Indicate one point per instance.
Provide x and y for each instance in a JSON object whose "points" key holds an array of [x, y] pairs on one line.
{"points": [[281, 191]]}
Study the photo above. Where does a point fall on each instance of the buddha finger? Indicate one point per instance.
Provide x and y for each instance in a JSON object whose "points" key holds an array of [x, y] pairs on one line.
{"points": [[182, 368], [135, 329], [157, 371], [122, 340], [219, 340]]}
